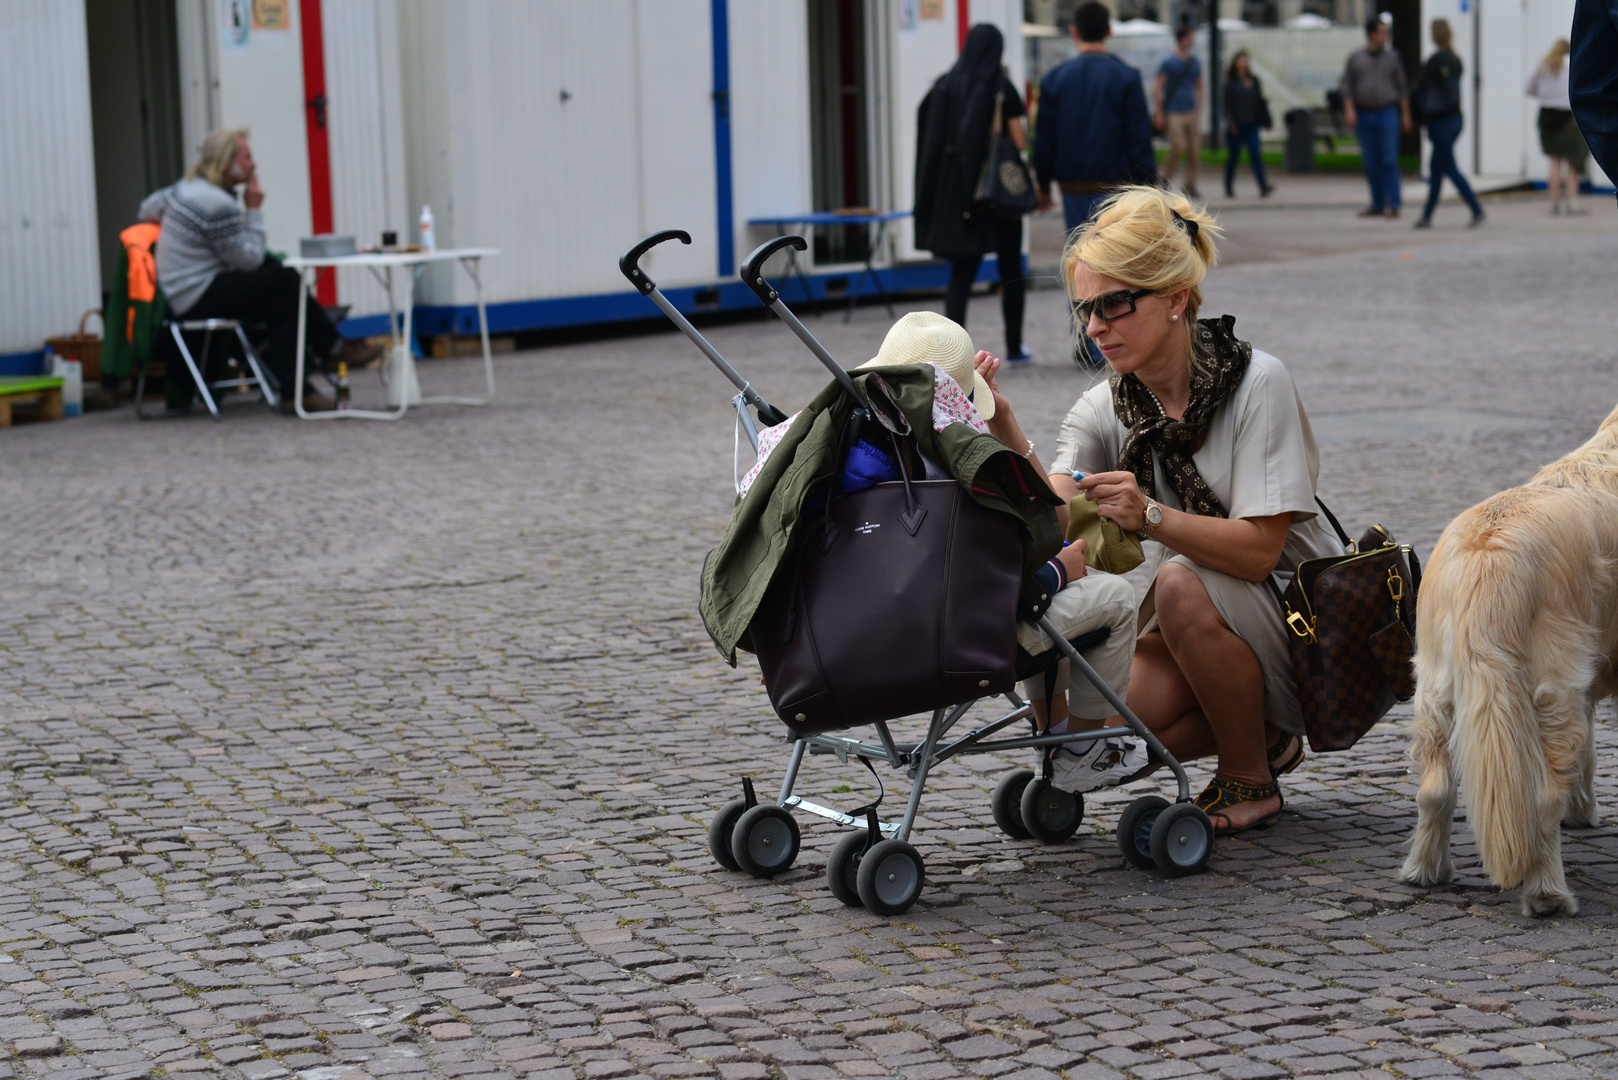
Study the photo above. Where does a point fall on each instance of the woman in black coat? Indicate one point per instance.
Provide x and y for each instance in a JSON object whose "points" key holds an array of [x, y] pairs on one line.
{"points": [[952, 142], [1246, 113]]}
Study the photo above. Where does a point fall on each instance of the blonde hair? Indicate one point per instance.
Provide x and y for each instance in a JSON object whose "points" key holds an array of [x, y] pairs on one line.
{"points": [[215, 155], [1135, 238], [1443, 37], [1553, 59]]}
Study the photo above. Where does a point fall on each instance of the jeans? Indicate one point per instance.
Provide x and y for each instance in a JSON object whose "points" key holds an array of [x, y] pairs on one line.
{"points": [[1378, 130], [964, 270], [1443, 133], [1245, 135], [1078, 209], [267, 297]]}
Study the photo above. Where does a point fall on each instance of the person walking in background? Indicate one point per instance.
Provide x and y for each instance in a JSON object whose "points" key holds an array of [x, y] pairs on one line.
{"points": [[1177, 106], [1093, 133], [953, 129], [1438, 105], [1246, 112], [1593, 79], [1558, 133], [1376, 104]]}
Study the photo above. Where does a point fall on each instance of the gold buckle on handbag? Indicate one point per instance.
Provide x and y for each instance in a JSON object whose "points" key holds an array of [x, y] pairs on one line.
{"points": [[1396, 588], [1304, 628]]}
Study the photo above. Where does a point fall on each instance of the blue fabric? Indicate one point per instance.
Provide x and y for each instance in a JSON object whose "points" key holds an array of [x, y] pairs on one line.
{"points": [[1093, 124], [1077, 209], [1378, 130], [1245, 135], [1593, 79], [1443, 134], [1185, 94], [1050, 581], [865, 466]]}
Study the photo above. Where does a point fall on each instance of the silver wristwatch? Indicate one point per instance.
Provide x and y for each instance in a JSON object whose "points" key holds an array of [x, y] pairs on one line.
{"points": [[1152, 518]]}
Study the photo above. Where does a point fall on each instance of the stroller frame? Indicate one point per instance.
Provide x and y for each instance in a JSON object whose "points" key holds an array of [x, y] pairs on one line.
{"points": [[875, 866]]}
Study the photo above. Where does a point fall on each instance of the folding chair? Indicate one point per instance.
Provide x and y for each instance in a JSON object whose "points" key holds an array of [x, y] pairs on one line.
{"points": [[206, 327]]}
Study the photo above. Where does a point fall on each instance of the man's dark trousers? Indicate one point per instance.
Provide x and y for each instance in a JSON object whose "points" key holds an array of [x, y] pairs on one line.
{"points": [[268, 298]]}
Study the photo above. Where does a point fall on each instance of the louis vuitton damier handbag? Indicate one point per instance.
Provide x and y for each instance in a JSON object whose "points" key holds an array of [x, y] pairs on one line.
{"points": [[1351, 626]]}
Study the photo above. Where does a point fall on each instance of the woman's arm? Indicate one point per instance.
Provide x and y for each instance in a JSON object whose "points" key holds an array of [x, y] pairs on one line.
{"points": [[1019, 137], [1246, 548]]}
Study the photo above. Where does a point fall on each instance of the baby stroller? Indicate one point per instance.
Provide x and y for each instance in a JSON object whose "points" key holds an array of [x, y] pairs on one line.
{"points": [[875, 865]]}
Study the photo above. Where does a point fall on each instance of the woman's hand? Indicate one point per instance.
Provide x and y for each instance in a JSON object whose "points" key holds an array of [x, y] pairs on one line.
{"points": [[1118, 498]]}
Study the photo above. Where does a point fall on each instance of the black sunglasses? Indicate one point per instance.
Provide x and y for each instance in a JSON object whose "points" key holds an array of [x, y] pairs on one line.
{"points": [[1109, 307]]}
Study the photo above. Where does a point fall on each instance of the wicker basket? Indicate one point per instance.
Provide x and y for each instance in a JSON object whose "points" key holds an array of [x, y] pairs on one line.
{"points": [[82, 347]]}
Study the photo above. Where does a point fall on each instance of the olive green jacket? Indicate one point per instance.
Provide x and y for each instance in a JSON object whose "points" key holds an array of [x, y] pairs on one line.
{"points": [[766, 520]]}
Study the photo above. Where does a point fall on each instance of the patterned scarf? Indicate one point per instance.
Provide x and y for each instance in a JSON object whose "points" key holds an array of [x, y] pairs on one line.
{"points": [[1224, 361]]}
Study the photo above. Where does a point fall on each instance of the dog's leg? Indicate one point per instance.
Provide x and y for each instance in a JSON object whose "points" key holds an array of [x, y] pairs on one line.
{"points": [[1582, 812], [1429, 862], [1544, 886]]}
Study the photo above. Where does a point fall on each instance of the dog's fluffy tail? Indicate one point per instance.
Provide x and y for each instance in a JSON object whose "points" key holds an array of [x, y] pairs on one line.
{"points": [[1517, 634]]}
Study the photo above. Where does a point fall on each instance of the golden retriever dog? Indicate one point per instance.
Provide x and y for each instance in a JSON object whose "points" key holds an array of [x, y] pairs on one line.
{"points": [[1517, 636]]}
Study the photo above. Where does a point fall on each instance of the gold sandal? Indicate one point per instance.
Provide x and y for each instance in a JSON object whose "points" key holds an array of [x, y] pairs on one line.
{"points": [[1221, 794], [1285, 755]]}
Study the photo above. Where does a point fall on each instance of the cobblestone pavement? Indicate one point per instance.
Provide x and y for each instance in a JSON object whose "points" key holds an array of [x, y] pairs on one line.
{"points": [[347, 750]]}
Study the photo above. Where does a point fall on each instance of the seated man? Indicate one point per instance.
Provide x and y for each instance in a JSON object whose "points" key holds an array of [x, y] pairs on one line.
{"points": [[211, 264]]}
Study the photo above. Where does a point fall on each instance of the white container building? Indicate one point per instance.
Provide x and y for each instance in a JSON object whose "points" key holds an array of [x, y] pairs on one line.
{"points": [[557, 131]]}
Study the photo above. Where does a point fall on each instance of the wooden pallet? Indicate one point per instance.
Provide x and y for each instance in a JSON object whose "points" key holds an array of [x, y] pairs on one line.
{"points": [[43, 389]]}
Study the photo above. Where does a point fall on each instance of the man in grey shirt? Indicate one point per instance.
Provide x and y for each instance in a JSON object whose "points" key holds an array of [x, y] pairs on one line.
{"points": [[211, 263], [1376, 103]]}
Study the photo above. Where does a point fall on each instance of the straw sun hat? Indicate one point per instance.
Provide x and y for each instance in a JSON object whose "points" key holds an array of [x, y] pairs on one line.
{"points": [[926, 336]]}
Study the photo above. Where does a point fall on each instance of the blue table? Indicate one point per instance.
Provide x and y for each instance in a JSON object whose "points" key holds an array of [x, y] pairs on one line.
{"points": [[878, 219]]}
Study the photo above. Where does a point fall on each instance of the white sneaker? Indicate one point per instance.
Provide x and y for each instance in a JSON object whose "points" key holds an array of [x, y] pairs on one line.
{"points": [[1099, 763]]}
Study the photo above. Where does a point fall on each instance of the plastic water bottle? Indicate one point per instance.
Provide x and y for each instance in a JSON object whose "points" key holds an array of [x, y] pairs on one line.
{"points": [[344, 403], [428, 239], [72, 373]]}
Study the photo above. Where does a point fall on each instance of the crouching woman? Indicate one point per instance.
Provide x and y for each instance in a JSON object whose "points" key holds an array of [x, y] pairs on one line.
{"points": [[1201, 443]]}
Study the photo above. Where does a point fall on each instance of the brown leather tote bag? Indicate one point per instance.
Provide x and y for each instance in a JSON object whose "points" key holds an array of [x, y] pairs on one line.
{"points": [[1351, 622], [901, 600]]}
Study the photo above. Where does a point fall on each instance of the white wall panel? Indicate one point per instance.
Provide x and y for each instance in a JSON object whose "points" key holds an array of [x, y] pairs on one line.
{"points": [[49, 261], [678, 178], [769, 114], [524, 132], [365, 134]]}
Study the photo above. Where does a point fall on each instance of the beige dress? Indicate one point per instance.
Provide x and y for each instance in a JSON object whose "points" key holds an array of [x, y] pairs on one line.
{"points": [[1259, 457]]}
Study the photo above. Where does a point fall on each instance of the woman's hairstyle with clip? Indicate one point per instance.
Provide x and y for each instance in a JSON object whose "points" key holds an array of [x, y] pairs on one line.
{"points": [[1146, 238]]}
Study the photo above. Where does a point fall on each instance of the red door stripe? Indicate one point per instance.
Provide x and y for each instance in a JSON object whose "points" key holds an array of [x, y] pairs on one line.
{"points": [[314, 116]]}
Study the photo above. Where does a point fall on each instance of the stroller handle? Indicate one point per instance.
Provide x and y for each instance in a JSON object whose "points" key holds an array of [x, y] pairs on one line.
{"points": [[629, 262], [753, 268]]}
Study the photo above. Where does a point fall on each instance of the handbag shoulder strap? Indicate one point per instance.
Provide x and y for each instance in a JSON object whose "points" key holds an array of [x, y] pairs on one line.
{"points": [[1335, 524]]}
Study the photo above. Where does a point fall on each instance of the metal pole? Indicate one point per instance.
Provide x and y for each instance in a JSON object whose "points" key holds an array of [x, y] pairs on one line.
{"points": [[1215, 74]]}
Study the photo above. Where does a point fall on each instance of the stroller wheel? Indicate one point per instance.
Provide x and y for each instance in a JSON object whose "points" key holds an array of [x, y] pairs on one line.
{"points": [[1135, 830], [764, 841], [1182, 840], [719, 830], [1050, 814], [890, 878], [843, 868], [1007, 803]]}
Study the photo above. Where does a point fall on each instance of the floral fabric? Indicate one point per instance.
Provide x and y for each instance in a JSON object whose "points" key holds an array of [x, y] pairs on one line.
{"points": [[950, 406]]}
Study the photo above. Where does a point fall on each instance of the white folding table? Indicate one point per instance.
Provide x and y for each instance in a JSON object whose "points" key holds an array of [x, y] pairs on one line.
{"points": [[382, 264]]}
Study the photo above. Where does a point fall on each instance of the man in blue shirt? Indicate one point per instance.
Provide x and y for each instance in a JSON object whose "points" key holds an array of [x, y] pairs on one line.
{"points": [[1178, 94], [1092, 133]]}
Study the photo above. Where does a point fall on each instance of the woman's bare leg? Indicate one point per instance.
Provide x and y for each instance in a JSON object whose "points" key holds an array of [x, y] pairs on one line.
{"points": [[1555, 184], [1225, 677]]}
